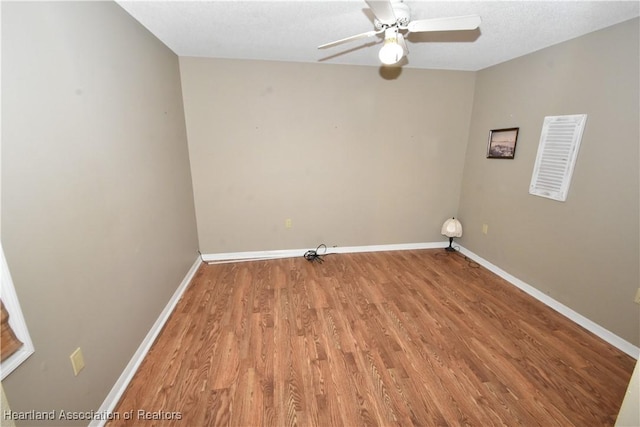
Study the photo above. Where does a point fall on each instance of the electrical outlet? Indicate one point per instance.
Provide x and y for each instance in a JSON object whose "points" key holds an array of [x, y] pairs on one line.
{"points": [[485, 229], [77, 361], [637, 298], [288, 223]]}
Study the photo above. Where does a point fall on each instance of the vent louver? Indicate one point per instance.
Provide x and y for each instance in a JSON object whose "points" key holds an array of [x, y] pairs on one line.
{"points": [[557, 153]]}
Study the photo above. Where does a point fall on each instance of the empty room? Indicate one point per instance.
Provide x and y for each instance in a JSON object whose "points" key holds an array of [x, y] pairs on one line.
{"points": [[320, 213]]}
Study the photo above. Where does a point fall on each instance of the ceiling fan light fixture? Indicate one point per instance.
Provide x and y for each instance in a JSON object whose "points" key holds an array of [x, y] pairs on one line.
{"points": [[393, 17], [391, 52]]}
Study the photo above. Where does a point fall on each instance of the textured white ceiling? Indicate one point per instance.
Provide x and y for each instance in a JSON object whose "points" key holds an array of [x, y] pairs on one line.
{"points": [[292, 30]]}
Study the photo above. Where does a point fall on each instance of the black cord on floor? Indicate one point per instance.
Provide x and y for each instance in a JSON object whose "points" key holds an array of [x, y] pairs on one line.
{"points": [[470, 262], [313, 255]]}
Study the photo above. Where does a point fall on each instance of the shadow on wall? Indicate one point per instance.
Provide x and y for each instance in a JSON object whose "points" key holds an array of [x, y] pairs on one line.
{"points": [[391, 72]]}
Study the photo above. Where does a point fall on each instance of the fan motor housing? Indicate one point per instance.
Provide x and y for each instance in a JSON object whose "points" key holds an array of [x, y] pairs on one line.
{"points": [[403, 16]]}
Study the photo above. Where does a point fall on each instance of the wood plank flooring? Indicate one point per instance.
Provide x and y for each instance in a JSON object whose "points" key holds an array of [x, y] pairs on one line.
{"points": [[371, 339]]}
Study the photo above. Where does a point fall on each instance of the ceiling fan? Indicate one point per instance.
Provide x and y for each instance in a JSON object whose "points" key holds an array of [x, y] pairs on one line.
{"points": [[393, 18]]}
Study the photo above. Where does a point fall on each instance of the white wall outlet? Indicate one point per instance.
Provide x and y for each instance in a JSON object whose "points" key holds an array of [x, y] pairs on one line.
{"points": [[485, 229], [637, 298], [288, 223]]}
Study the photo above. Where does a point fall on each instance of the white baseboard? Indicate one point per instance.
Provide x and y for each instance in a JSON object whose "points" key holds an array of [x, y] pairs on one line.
{"points": [[292, 253], [121, 385], [576, 317]]}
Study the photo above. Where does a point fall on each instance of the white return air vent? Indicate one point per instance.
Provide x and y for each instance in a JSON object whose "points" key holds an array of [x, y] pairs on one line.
{"points": [[557, 153]]}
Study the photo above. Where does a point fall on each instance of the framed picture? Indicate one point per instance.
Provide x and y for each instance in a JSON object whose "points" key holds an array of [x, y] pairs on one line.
{"points": [[502, 143], [16, 341]]}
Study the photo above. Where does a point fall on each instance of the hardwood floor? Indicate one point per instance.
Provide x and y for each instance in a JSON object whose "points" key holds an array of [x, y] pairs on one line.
{"points": [[384, 338]]}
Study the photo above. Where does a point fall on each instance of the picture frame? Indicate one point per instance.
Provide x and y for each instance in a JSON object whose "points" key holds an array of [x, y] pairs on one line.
{"points": [[15, 320], [502, 143]]}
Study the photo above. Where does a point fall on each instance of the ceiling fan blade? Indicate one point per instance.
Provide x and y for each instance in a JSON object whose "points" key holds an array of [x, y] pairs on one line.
{"points": [[351, 38], [383, 10], [454, 23], [403, 43]]}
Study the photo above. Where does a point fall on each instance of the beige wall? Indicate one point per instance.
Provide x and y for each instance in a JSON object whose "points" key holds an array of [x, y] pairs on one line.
{"points": [[98, 222], [583, 252], [350, 157]]}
